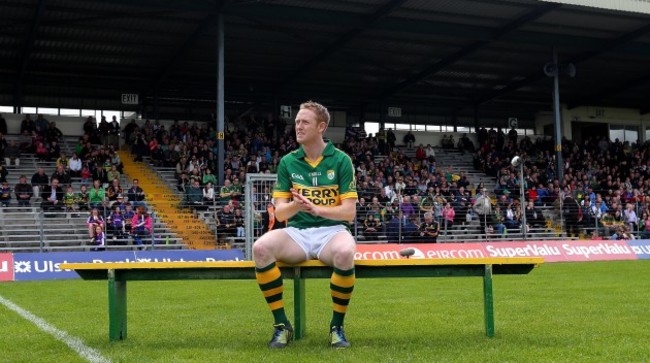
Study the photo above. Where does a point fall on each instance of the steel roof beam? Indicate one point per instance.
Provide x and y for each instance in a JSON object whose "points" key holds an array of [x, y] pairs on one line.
{"points": [[182, 50], [28, 46], [332, 18], [89, 18], [609, 91], [208, 22], [585, 56], [365, 23], [200, 6], [302, 38], [471, 48]]}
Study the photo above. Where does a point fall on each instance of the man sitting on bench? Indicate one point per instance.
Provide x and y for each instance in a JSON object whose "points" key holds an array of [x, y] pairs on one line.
{"points": [[320, 179]]}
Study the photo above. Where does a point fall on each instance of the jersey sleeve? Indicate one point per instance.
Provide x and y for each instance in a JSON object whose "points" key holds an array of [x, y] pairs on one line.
{"points": [[283, 185], [347, 181]]}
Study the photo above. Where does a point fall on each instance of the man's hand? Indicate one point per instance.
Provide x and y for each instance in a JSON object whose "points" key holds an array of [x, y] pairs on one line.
{"points": [[305, 204]]}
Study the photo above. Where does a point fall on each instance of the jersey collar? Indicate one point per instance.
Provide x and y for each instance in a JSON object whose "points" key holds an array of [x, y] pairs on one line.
{"points": [[328, 151]]}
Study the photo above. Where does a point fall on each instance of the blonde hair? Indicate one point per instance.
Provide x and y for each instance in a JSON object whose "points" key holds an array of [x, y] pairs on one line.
{"points": [[322, 115]]}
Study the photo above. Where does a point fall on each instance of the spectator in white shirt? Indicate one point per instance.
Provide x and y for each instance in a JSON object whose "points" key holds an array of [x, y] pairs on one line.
{"points": [[75, 165], [630, 216], [208, 193], [430, 153]]}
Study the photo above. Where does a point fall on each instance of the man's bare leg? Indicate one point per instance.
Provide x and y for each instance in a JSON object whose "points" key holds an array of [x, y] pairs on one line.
{"points": [[271, 247], [339, 253]]}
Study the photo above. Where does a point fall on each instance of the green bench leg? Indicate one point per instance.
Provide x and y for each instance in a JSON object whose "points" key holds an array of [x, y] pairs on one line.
{"points": [[488, 301], [299, 311], [116, 307]]}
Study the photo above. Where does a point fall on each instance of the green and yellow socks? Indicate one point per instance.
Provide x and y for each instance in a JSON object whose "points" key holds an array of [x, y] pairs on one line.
{"points": [[341, 286], [270, 280]]}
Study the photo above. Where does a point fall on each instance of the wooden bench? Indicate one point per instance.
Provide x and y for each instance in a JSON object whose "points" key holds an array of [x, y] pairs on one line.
{"points": [[118, 274]]}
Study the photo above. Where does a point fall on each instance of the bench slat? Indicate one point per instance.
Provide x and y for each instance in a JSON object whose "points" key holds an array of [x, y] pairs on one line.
{"points": [[306, 264]]}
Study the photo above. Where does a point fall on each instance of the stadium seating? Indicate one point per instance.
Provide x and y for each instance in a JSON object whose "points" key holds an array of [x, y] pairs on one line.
{"points": [[34, 231], [31, 230], [471, 232]]}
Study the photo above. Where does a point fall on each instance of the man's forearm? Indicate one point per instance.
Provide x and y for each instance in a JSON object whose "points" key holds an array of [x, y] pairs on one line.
{"points": [[338, 213], [286, 210]]}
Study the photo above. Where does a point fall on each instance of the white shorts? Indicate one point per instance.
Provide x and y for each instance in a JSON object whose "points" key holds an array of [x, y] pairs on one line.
{"points": [[313, 240]]}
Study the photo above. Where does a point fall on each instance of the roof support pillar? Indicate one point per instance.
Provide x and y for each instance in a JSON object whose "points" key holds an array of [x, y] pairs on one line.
{"points": [[559, 174], [454, 119], [156, 106], [275, 118], [219, 114]]}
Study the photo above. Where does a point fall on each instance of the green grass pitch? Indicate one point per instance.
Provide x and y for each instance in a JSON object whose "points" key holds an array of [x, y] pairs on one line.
{"points": [[571, 312]]}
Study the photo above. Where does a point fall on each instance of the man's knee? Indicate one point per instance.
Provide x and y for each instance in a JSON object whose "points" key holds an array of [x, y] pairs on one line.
{"points": [[343, 255], [261, 251]]}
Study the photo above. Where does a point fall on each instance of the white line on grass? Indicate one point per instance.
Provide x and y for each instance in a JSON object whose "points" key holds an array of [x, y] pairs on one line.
{"points": [[75, 343]]}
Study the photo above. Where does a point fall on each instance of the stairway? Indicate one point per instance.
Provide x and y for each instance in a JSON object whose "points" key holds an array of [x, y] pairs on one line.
{"points": [[165, 202], [465, 162], [458, 161]]}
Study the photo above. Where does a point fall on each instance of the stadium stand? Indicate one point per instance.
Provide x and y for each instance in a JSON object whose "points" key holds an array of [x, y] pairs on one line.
{"points": [[168, 206], [167, 160], [30, 229]]}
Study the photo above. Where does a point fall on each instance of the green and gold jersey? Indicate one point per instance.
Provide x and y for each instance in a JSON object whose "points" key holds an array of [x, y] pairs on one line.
{"points": [[222, 193], [324, 182]]}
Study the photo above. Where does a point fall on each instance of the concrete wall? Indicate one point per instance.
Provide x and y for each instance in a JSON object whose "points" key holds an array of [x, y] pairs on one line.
{"points": [[73, 126], [609, 115], [70, 126]]}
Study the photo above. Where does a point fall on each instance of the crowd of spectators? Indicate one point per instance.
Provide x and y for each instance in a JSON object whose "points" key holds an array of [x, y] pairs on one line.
{"points": [[413, 186], [395, 191], [88, 181], [251, 146], [605, 188], [606, 185], [406, 198], [604, 191]]}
